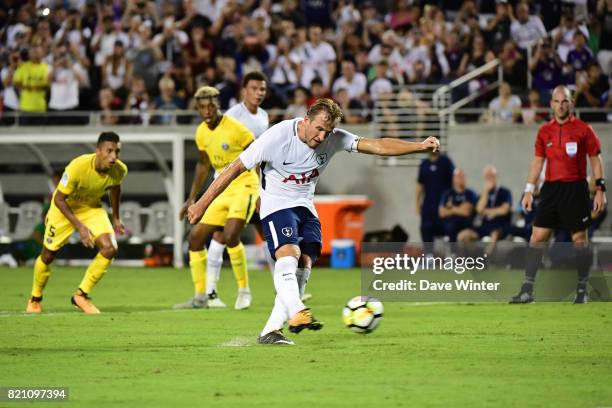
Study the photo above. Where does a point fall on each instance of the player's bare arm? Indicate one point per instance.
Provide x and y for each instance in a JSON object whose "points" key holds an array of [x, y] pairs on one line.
{"points": [[599, 201], [85, 234], [396, 147], [114, 195], [201, 173], [534, 172], [197, 210]]}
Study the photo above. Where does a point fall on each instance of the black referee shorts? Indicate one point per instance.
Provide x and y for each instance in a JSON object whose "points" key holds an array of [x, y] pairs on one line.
{"points": [[564, 205]]}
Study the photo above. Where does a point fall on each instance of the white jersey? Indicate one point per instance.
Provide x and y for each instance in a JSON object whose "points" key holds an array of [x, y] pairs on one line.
{"points": [[256, 123], [290, 168]]}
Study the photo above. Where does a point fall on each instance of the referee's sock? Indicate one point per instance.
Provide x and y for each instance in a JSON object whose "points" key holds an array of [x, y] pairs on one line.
{"points": [[583, 265], [534, 259]]}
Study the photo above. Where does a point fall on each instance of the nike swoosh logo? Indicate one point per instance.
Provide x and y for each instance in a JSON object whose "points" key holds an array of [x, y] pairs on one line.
{"points": [[285, 163]]}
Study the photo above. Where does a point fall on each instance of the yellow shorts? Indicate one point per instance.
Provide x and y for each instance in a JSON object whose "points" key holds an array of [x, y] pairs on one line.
{"points": [[58, 228], [237, 204]]}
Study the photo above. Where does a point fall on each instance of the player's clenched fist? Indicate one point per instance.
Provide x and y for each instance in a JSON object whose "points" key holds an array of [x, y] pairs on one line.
{"points": [[194, 213], [432, 143]]}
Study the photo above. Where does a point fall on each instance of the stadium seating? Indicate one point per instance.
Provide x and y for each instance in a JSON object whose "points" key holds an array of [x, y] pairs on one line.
{"points": [[28, 216], [159, 226]]}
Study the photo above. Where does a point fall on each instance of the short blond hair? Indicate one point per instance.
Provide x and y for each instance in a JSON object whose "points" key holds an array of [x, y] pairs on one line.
{"points": [[327, 106], [205, 92]]}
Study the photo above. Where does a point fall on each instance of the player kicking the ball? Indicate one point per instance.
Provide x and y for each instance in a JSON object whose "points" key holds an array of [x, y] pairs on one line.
{"points": [[293, 155], [76, 206]]}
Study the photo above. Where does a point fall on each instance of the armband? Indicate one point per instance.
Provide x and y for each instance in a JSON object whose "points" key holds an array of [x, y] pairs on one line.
{"points": [[529, 188]]}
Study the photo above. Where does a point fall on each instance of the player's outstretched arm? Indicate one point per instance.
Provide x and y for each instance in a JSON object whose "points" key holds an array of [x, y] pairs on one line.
{"points": [[396, 147], [197, 210], [200, 176], [534, 173], [115, 197], [84, 232]]}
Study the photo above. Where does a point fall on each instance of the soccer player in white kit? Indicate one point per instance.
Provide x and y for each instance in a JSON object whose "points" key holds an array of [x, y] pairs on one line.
{"points": [[247, 112], [293, 154]]}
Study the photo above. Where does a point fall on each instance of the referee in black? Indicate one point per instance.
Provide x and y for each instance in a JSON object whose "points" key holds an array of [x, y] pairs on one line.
{"points": [[565, 143]]}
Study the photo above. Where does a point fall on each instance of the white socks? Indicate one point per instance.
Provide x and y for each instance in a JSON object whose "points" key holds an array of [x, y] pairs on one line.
{"points": [[290, 283], [277, 318], [213, 265], [286, 285], [302, 274]]}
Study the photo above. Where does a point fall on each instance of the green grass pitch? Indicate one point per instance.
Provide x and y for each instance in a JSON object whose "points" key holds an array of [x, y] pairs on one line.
{"points": [[140, 353]]}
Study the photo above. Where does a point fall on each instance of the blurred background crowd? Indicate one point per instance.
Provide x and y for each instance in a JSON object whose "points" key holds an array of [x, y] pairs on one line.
{"points": [[139, 55]]}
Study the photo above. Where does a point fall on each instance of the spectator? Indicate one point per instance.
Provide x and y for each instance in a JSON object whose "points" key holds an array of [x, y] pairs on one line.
{"points": [[546, 68], [351, 108], [197, 54], [505, 108], [533, 112], [318, 12], [103, 44], [494, 207], [386, 50], [117, 70], [145, 10], [526, 30], [381, 85], [138, 101], [434, 178], [604, 15], [146, 59], [450, 58], [167, 101], [317, 90], [478, 56], [418, 53], [593, 91], [108, 103], [578, 58], [284, 69], [297, 108], [497, 30], [42, 36], [354, 83], [171, 42], [10, 100], [563, 35], [318, 59], [67, 76], [456, 208], [31, 79]]}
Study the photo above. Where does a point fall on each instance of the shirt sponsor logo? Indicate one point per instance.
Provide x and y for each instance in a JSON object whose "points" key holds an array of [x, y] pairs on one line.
{"points": [[302, 178], [571, 148]]}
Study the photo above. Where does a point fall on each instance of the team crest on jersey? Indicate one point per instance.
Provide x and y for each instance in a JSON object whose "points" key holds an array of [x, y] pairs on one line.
{"points": [[287, 231], [321, 158], [225, 146]]}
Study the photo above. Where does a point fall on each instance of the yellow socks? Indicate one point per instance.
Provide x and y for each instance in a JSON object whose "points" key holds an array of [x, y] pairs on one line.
{"points": [[42, 271], [237, 257], [197, 264], [97, 268]]}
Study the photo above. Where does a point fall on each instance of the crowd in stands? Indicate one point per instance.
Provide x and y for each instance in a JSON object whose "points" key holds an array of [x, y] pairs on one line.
{"points": [[140, 55]]}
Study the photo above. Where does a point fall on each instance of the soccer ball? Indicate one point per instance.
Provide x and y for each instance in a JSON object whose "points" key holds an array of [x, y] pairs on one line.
{"points": [[362, 314]]}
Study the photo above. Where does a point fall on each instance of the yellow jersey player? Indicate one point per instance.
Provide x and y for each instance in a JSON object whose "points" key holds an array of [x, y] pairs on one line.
{"points": [[220, 140], [76, 205]]}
